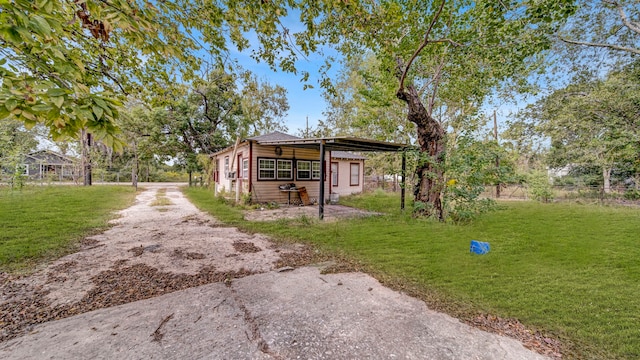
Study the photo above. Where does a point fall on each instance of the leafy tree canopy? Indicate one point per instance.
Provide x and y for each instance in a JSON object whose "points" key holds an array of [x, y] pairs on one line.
{"points": [[70, 63]]}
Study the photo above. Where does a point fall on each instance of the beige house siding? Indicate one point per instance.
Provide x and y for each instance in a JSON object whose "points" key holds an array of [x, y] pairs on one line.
{"points": [[225, 183], [267, 190], [344, 187]]}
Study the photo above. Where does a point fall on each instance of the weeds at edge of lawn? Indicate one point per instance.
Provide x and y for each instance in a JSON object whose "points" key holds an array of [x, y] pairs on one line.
{"points": [[41, 224], [566, 270]]}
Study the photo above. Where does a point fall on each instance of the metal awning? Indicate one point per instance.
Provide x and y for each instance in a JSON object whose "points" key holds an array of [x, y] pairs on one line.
{"points": [[343, 143], [340, 143]]}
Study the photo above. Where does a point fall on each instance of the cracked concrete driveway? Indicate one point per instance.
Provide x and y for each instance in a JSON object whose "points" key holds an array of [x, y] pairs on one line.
{"points": [[210, 291]]}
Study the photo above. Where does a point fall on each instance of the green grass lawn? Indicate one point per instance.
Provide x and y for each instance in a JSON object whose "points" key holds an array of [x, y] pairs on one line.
{"points": [[39, 223], [569, 270]]}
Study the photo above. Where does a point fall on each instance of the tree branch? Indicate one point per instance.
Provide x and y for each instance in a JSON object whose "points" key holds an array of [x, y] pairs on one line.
{"points": [[607, 46], [425, 42], [623, 16], [436, 80]]}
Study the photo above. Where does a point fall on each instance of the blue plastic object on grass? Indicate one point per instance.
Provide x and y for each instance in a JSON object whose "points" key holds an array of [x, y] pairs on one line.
{"points": [[479, 247]]}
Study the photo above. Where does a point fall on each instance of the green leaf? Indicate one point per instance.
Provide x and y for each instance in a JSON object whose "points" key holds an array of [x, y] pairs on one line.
{"points": [[97, 111], [41, 107], [28, 116], [40, 25], [101, 103], [53, 114], [56, 92], [10, 104], [58, 101], [4, 112]]}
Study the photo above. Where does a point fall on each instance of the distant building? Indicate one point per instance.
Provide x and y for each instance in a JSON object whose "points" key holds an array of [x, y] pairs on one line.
{"points": [[47, 164], [559, 172]]}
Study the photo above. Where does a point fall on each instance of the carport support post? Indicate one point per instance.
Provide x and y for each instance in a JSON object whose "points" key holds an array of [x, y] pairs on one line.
{"points": [[403, 183], [322, 171]]}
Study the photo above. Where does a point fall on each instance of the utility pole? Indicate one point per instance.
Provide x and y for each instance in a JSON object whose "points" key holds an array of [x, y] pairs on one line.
{"points": [[495, 133], [306, 134]]}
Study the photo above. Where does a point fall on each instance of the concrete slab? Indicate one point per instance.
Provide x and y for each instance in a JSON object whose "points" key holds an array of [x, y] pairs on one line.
{"points": [[299, 314]]}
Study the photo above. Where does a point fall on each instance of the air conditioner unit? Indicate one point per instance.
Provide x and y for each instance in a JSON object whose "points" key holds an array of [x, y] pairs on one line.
{"points": [[231, 175]]}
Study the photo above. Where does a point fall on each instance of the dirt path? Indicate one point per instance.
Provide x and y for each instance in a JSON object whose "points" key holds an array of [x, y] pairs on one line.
{"points": [[170, 282]]}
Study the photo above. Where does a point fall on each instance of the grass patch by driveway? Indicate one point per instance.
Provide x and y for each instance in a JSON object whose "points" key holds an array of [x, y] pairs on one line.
{"points": [[569, 270], [45, 222]]}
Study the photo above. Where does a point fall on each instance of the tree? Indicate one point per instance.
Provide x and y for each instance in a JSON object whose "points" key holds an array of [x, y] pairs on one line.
{"points": [[15, 143], [444, 55], [200, 119], [70, 63], [264, 106], [593, 121], [613, 25]]}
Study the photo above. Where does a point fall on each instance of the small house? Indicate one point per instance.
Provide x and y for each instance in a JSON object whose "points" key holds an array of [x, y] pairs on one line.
{"points": [[272, 167], [49, 164]]}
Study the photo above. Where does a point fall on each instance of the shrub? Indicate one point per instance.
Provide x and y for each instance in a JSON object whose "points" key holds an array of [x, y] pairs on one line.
{"points": [[539, 187]]}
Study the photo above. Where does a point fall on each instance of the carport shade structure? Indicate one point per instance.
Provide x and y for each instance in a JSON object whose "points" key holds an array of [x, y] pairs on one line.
{"points": [[344, 143]]}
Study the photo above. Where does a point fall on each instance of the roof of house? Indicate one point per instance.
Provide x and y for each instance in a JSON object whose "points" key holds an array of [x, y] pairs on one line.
{"points": [[337, 145], [346, 155], [49, 157], [274, 136]]}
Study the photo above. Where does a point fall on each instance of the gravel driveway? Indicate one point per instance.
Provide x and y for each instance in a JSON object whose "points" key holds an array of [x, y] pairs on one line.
{"points": [[170, 282]]}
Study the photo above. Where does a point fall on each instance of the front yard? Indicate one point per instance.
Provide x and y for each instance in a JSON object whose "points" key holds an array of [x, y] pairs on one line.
{"points": [[570, 271]]}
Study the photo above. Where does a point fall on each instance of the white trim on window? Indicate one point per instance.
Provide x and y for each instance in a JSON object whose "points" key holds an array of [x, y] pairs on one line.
{"points": [[334, 173], [354, 174], [303, 170], [245, 168], [266, 169], [315, 170], [285, 169]]}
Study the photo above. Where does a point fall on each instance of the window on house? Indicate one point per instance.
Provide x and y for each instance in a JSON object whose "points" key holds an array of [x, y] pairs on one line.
{"points": [[226, 167], [266, 169], [334, 173], [304, 170], [245, 168], [355, 174], [315, 173], [285, 170]]}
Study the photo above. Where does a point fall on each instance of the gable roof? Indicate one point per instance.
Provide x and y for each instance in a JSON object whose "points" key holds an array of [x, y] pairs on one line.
{"points": [[49, 157], [274, 136]]}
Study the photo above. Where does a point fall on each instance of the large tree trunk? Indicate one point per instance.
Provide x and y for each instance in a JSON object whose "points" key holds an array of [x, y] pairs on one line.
{"points": [[430, 168]]}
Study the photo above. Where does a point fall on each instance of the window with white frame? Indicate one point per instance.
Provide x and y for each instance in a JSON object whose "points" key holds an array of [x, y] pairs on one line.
{"points": [[334, 173], [266, 169], [285, 169], [226, 167], [245, 168], [315, 171], [355, 174], [304, 170]]}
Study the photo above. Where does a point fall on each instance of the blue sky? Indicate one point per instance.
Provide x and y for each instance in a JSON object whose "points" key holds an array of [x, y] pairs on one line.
{"points": [[302, 103]]}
